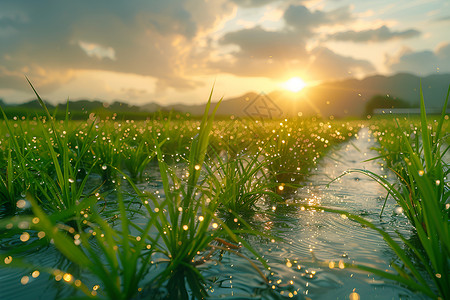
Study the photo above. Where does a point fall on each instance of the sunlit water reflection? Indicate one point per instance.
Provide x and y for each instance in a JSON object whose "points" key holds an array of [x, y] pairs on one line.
{"points": [[308, 264]]}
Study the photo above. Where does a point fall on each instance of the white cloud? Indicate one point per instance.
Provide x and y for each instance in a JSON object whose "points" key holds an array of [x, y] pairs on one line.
{"points": [[98, 51]]}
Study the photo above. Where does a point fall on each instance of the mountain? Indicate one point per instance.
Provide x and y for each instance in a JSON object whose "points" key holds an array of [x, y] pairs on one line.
{"points": [[32, 105], [233, 106], [82, 105], [152, 106], [338, 98]]}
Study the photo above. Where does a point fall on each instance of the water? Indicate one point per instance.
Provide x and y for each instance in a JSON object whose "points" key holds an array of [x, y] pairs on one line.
{"points": [[306, 265]]}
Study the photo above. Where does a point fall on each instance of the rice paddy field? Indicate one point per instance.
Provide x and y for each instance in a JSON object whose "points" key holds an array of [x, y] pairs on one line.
{"points": [[225, 208]]}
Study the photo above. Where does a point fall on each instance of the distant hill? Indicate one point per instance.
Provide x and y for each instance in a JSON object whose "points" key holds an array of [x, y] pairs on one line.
{"points": [[32, 105], [79, 105], [338, 98]]}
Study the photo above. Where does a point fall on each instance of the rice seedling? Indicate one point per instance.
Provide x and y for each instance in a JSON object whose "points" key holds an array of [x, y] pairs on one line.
{"points": [[62, 192], [9, 187], [296, 146], [118, 260], [17, 177], [106, 149], [240, 181], [136, 158], [188, 228]]}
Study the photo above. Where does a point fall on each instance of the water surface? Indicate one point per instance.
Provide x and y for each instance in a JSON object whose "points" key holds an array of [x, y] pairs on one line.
{"points": [[306, 264]]}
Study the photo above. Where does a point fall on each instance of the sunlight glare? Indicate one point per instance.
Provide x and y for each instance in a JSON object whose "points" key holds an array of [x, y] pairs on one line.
{"points": [[295, 84]]}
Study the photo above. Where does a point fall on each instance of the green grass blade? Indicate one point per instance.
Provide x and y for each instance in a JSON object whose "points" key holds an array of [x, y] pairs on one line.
{"points": [[425, 133]]}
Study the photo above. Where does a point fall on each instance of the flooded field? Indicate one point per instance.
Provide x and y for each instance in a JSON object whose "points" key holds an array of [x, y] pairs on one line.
{"points": [[303, 209], [306, 263]]}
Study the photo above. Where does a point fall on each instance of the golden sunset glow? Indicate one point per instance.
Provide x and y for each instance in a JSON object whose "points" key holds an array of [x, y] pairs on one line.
{"points": [[243, 46], [295, 84]]}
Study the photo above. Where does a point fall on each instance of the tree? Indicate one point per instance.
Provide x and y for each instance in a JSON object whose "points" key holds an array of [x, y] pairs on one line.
{"points": [[384, 101]]}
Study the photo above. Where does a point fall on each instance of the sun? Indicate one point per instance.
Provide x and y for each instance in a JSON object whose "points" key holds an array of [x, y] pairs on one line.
{"points": [[295, 84]]}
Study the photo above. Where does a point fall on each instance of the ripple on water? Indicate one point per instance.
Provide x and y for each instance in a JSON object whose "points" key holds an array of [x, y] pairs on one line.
{"points": [[38, 285], [315, 239], [307, 264]]}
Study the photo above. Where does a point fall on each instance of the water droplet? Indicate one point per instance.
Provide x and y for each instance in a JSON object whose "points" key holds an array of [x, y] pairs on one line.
{"points": [[24, 280], [104, 167], [8, 260], [23, 225], [21, 203], [71, 180], [398, 210], [24, 236], [68, 277]]}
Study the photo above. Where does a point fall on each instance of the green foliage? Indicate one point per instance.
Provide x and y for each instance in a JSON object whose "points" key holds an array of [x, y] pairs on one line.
{"points": [[70, 171], [182, 226], [384, 101], [240, 182]]}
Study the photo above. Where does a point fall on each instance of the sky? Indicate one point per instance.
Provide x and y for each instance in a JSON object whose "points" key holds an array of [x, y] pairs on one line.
{"points": [[175, 51]]}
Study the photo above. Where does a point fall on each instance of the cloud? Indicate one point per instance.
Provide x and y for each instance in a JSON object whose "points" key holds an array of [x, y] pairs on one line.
{"points": [[330, 65], [98, 51], [380, 34], [277, 54], [421, 62], [259, 43], [253, 3], [283, 53], [443, 19], [47, 80], [7, 31], [301, 19], [133, 93], [146, 37]]}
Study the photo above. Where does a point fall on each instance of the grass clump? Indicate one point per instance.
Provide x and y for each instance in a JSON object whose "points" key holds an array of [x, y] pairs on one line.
{"points": [[182, 227], [240, 182]]}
